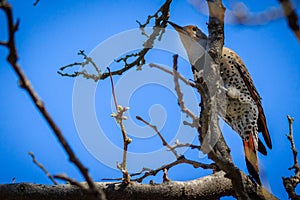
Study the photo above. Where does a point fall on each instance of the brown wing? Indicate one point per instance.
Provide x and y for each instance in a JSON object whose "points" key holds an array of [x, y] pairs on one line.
{"points": [[262, 124]]}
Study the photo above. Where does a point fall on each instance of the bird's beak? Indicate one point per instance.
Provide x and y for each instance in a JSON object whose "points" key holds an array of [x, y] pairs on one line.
{"points": [[177, 27]]}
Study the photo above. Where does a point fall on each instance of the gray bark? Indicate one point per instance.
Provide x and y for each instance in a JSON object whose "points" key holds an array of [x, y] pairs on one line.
{"points": [[209, 187]]}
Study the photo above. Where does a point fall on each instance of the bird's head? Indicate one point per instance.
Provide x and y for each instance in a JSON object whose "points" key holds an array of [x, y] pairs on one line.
{"points": [[192, 32], [193, 40]]}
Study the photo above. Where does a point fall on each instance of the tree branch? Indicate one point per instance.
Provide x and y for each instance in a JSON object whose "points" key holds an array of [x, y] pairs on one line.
{"points": [[25, 84], [290, 183], [210, 187], [291, 17]]}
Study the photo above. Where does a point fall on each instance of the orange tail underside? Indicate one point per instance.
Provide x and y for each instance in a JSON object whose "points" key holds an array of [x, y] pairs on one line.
{"points": [[251, 158]]}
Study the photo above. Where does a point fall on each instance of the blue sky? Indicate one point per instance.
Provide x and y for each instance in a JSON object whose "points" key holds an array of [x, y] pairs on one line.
{"points": [[51, 34]]}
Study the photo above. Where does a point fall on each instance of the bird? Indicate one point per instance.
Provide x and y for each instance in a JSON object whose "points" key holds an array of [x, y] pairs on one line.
{"points": [[244, 111]]}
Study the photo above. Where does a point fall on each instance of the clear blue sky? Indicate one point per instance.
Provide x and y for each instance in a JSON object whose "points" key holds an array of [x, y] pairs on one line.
{"points": [[50, 36]]}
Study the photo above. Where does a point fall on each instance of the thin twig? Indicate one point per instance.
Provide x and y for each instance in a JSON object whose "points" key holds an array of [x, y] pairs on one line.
{"points": [[70, 65], [89, 60], [180, 160], [113, 89], [180, 145], [12, 59], [160, 136], [187, 82], [3, 43], [161, 16], [183, 108], [42, 168]]}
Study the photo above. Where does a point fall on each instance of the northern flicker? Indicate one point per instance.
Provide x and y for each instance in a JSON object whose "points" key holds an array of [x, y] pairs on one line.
{"points": [[244, 111]]}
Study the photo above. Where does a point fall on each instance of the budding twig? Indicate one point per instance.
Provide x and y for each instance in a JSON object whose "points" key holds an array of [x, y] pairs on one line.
{"points": [[84, 73], [119, 119]]}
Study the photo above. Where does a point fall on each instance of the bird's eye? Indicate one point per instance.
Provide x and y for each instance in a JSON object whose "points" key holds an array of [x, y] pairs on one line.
{"points": [[194, 29]]}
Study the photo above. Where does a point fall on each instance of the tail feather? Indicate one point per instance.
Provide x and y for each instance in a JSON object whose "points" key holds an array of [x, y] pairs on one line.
{"points": [[251, 158]]}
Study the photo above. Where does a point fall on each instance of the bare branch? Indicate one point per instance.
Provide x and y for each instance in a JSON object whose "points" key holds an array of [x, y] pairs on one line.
{"points": [[290, 183], [293, 147], [291, 17], [70, 65], [12, 59], [187, 82], [161, 16], [42, 168], [160, 136], [180, 160], [180, 145], [113, 90], [183, 108]]}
